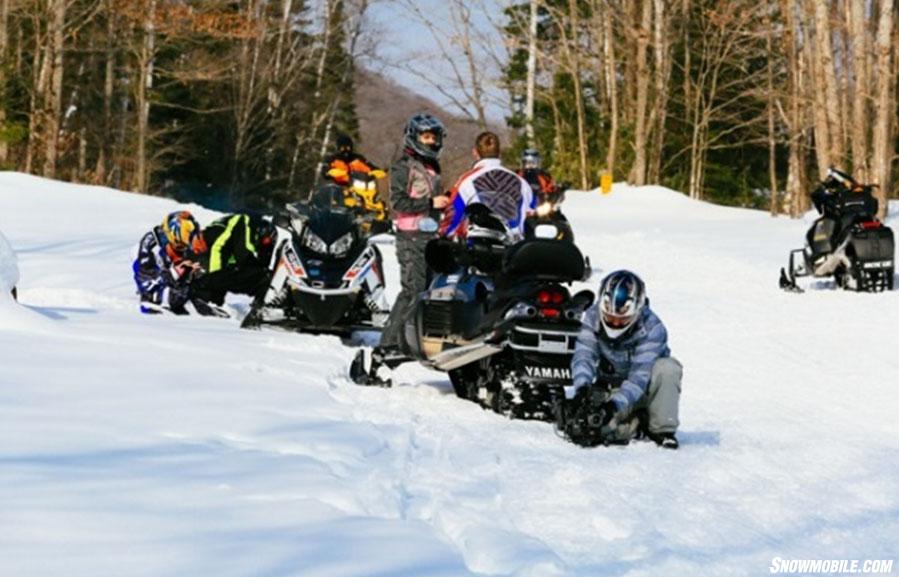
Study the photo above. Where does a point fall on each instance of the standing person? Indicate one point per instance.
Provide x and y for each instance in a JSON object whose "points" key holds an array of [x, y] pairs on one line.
{"points": [[415, 196], [624, 345], [506, 194]]}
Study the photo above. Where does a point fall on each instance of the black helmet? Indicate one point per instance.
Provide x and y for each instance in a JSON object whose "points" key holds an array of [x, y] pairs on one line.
{"points": [[622, 297], [344, 143], [418, 124], [530, 158]]}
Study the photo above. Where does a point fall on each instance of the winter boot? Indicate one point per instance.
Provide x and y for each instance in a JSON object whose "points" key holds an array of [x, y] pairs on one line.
{"points": [[664, 440], [373, 367]]}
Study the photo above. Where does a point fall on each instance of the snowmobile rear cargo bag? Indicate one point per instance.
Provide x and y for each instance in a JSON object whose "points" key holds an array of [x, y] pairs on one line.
{"points": [[874, 245]]}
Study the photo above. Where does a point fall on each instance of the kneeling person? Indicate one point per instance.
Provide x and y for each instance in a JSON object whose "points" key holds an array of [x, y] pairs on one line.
{"points": [[624, 345], [167, 262], [240, 248]]}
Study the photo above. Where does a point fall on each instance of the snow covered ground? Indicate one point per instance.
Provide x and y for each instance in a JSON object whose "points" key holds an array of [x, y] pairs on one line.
{"points": [[159, 446]]}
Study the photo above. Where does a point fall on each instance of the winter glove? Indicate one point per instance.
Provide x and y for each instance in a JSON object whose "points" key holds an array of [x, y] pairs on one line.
{"points": [[606, 414], [378, 173], [338, 173]]}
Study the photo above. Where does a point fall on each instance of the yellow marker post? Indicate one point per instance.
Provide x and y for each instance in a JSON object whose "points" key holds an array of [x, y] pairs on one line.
{"points": [[605, 182]]}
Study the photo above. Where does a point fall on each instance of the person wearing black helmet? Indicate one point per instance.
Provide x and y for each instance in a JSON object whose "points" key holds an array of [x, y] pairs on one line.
{"points": [[541, 181], [622, 361], [240, 248], [339, 167], [416, 199]]}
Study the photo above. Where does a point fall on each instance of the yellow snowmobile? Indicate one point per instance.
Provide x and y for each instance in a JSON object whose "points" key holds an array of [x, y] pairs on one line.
{"points": [[362, 193]]}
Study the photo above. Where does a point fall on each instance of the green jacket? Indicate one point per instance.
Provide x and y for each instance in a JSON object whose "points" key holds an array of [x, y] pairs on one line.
{"points": [[231, 241]]}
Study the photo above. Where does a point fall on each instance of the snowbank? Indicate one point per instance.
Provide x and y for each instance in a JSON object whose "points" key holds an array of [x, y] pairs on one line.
{"points": [[9, 268]]}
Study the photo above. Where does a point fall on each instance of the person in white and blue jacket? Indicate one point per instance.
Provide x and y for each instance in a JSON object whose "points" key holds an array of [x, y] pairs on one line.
{"points": [[624, 345]]}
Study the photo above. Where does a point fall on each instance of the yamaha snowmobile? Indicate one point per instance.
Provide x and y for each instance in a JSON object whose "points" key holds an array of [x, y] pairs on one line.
{"points": [[325, 275], [501, 319], [847, 242]]}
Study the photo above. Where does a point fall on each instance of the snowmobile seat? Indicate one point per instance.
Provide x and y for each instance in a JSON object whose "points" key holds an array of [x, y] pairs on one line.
{"points": [[544, 259]]}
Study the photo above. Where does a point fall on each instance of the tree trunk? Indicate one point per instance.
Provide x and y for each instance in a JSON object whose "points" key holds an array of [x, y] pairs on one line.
{"points": [[792, 117], [885, 116], [573, 52], [144, 85], [4, 50], [662, 76], [531, 75], [53, 108], [827, 76], [40, 78], [612, 81], [638, 172], [772, 139], [861, 91], [818, 94], [106, 140]]}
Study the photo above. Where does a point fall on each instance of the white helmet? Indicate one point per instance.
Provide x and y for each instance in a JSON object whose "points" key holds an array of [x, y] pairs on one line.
{"points": [[622, 296]]}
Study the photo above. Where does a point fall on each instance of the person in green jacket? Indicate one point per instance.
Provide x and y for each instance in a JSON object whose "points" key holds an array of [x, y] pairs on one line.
{"points": [[240, 250]]}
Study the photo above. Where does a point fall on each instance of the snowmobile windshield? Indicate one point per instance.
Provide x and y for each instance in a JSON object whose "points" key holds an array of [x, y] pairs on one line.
{"points": [[331, 224], [327, 197]]}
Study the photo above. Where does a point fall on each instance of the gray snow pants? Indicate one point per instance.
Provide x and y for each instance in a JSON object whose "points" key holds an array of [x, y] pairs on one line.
{"points": [[410, 252], [660, 401]]}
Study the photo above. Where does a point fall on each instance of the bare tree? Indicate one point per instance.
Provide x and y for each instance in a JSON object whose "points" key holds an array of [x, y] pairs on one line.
{"points": [[883, 149], [860, 90], [532, 72], [641, 126]]}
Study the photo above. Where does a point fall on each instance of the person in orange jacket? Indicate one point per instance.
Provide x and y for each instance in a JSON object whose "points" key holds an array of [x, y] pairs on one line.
{"points": [[339, 166]]}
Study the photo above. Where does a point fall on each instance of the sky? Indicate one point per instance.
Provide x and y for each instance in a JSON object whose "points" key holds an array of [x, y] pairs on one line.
{"points": [[402, 40]]}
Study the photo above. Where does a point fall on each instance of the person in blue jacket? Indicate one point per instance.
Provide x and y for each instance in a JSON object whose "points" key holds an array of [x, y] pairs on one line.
{"points": [[623, 346], [168, 259]]}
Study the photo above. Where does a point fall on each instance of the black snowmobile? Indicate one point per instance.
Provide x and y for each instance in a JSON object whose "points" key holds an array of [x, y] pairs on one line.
{"points": [[325, 276], [549, 212], [499, 318], [847, 242]]}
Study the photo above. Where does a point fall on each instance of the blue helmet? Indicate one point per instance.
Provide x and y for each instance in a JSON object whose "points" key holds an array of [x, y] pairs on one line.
{"points": [[421, 123], [622, 296]]}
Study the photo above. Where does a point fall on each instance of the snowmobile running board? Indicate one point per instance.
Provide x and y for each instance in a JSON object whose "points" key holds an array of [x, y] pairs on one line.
{"points": [[461, 356]]}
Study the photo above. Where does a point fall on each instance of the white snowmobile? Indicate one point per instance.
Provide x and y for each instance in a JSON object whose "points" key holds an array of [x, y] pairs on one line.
{"points": [[325, 275]]}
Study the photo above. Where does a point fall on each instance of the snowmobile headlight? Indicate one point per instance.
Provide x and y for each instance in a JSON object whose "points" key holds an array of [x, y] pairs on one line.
{"points": [[342, 245], [314, 243]]}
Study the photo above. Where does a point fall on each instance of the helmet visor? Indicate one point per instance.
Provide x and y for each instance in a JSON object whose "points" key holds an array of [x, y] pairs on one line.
{"points": [[617, 321]]}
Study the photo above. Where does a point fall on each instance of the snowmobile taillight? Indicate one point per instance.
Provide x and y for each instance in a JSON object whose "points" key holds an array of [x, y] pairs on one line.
{"points": [[871, 224], [550, 313], [550, 296]]}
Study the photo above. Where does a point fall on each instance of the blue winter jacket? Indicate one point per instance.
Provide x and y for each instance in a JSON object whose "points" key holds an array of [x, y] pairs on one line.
{"points": [[628, 360], [153, 270]]}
